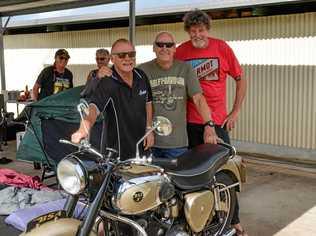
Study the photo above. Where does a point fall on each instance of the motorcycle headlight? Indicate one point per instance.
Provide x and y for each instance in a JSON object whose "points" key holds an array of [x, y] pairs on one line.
{"points": [[71, 175]]}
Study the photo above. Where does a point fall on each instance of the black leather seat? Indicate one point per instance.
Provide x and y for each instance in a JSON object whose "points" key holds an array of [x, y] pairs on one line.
{"points": [[196, 167]]}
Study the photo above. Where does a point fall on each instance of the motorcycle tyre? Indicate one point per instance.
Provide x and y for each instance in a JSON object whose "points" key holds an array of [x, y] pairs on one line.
{"points": [[226, 180]]}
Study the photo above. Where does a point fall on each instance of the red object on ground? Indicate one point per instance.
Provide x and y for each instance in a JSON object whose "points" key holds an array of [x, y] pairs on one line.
{"points": [[13, 178]]}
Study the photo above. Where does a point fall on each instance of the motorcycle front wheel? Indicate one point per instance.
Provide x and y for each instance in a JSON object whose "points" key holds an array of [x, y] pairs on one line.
{"points": [[221, 220], [106, 227]]}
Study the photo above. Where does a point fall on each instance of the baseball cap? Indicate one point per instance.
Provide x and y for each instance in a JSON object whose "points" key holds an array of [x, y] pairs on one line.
{"points": [[62, 52]]}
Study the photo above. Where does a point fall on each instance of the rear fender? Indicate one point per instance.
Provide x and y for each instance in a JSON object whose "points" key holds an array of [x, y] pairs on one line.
{"points": [[58, 227], [235, 169]]}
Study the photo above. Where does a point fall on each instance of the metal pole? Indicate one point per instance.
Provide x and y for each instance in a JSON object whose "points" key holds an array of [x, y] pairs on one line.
{"points": [[70, 205], [131, 29], [2, 29]]}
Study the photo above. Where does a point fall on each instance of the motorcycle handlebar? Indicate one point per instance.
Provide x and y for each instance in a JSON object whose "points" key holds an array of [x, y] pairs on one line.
{"points": [[64, 141], [83, 144], [165, 162]]}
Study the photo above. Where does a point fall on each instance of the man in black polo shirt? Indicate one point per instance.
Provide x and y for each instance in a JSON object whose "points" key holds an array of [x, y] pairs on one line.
{"points": [[129, 89]]}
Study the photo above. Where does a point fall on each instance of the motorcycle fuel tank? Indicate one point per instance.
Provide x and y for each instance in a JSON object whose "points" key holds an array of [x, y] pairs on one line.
{"points": [[138, 195]]}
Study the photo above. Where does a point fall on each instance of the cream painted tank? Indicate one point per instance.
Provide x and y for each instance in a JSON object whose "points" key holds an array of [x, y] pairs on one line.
{"points": [[138, 195]]}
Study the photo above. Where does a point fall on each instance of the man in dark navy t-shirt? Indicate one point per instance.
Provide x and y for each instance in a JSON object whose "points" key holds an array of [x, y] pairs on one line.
{"points": [[130, 92]]}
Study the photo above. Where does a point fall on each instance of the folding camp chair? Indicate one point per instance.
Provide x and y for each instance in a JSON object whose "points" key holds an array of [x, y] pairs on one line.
{"points": [[48, 168], [49, 120]]}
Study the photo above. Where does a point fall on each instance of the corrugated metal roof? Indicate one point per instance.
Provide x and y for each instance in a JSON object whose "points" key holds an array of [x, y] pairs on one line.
{"points": [[18, 7], [143, 7]]}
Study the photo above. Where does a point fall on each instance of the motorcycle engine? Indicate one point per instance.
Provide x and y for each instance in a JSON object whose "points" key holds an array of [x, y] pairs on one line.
{"points": [[137, 195], [161, 220]]}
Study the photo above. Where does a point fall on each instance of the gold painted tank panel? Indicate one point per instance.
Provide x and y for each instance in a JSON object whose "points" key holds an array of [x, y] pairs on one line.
{"points": [[138, 195], [198, 207]]}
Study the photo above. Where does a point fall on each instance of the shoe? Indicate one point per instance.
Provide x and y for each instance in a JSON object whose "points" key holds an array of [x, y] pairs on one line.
{"points": [[240, 232], [5, 160]]}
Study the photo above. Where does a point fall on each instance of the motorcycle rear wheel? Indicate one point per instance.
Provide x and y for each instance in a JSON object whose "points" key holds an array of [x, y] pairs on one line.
{"points": [[228, 197]]}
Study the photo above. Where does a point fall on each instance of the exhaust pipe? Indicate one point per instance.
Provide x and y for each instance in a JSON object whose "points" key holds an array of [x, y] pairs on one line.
{"points": [[125, 220], [230, 232], [140, 229]]}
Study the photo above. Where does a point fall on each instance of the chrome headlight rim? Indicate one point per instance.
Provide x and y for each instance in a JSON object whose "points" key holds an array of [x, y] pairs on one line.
{"points": [[79, 174]]}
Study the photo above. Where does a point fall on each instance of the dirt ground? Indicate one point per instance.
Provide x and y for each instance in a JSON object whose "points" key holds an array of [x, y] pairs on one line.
{"points": [[276, 200]]}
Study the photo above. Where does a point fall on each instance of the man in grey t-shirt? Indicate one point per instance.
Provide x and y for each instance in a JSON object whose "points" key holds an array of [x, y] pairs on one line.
{"points": [[172, 83]]}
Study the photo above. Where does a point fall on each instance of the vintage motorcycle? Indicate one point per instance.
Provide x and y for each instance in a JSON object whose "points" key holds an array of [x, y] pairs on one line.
{"points": [[194, 194]]}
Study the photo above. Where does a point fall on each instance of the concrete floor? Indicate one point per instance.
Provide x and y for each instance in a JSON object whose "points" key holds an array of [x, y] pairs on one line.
{"points": [[279, 201], [21, 166], [276, 200]]}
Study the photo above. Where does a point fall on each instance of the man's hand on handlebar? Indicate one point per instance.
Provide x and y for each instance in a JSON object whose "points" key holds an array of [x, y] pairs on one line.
{"points": [[149, 141], [78, 136]]}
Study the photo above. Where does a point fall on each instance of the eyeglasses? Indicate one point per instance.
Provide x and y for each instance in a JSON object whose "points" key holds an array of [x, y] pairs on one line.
{"points": [[165, 44], [100, 58], [122, 55]]}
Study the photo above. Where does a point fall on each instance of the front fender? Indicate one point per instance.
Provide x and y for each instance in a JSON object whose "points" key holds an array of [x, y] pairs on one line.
{"points": [[59, 227]]}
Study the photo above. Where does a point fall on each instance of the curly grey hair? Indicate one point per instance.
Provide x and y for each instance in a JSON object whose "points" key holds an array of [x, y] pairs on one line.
{"points": [[196, 17]]}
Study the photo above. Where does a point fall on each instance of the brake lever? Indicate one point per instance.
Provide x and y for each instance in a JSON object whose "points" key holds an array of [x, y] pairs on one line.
{"points": [[94, 151]]}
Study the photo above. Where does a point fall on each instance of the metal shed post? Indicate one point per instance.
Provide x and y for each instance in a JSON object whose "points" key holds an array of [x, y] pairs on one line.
{"points": [[2, 68], [132, 20]]}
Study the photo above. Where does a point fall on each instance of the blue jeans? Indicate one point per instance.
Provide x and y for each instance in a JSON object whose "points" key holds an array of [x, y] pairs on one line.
{"points": [[168, 152]]}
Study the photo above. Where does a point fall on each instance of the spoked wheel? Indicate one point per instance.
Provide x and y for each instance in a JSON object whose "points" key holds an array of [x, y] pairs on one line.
{"points": [[221, 220]]}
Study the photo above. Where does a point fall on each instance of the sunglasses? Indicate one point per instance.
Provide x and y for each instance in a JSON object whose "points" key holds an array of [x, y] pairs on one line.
{"points": [[63, 58], [122, 55], [100, 58], [165, 44]]}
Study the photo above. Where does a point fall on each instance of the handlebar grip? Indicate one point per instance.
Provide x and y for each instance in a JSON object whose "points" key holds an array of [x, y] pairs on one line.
{"points": [[165, 162], [64, 141]]}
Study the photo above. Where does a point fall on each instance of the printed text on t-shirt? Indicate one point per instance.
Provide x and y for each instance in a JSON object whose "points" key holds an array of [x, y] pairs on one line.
{"points": [[206, 68]]}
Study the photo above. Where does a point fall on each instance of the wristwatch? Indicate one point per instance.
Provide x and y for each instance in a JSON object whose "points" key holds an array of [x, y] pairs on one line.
{"points": [[209, 123]]}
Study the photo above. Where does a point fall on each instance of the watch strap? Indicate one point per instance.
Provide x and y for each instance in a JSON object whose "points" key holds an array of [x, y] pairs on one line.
{"points": [[209, 123]]}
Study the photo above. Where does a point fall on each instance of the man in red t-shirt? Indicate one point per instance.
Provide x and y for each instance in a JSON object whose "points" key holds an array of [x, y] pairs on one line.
{"points": [[212, 59]]}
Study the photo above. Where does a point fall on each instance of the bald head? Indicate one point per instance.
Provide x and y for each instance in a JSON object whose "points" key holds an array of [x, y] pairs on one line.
{"points": [[164, 47], [123, 56], [121, 44], [165, 35]]}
